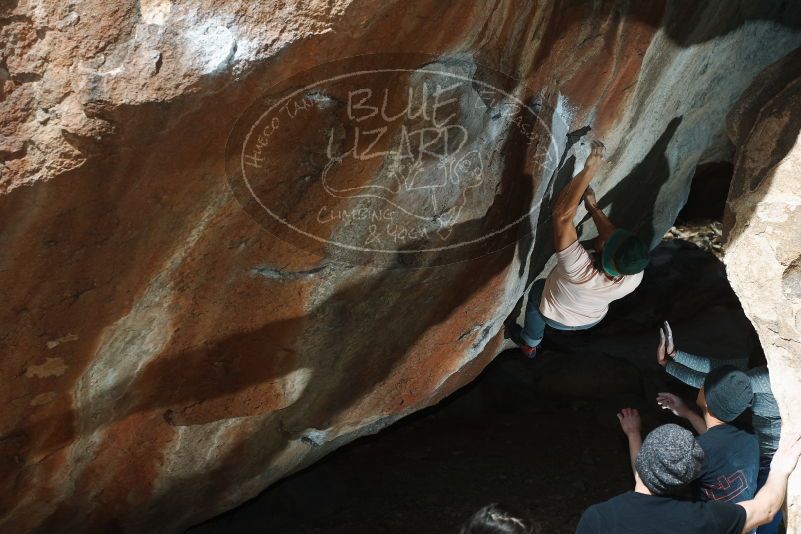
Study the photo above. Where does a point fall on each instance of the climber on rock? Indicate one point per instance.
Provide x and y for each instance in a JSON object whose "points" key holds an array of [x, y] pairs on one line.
{"points": [[576, 294], [766, 420], [668, 460]]}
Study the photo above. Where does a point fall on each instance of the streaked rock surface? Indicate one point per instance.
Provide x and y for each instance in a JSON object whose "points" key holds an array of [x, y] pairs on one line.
{"points": [[164, 357]]}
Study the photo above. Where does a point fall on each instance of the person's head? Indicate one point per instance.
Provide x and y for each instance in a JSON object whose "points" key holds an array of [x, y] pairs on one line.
{"points": [[497, 519], [726, 393], [623, 253], [669, 459]]}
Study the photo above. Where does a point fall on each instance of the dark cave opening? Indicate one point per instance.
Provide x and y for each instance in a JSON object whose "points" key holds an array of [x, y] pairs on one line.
{"points": [[700, 221], [541, 436], [708, 191]]}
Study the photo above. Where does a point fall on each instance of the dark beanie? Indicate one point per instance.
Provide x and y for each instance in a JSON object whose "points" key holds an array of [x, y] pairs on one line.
{"points": [[624, 253], [669, 459], [728, 392]]}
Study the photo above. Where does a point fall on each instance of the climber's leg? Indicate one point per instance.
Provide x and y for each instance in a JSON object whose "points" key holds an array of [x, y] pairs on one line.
{"points": [[534, 327]]}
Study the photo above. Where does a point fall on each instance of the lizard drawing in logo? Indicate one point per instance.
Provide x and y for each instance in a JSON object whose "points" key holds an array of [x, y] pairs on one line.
{"points": [[432, 191]]}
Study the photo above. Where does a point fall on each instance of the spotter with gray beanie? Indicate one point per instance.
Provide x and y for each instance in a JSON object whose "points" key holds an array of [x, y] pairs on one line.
{"points": [[577, 292], [668, 460]]}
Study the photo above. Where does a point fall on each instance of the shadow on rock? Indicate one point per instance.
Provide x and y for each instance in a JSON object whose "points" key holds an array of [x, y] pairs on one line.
{"points": [[638, 192]]}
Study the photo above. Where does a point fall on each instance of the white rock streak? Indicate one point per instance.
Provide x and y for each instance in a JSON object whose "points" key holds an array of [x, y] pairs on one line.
{"points": [[155, 11], [210, 45]]}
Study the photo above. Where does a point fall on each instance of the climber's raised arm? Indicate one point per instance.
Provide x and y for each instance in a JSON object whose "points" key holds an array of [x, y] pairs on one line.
{"points": [[567, 201], [602, 223]]}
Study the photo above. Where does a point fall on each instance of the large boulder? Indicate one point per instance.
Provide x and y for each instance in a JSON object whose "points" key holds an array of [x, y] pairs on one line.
{"points": [[169, 349], [763, 217]]}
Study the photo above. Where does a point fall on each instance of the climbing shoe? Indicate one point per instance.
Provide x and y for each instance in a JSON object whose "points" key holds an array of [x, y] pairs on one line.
{"points": [[530, 352], [513, 332]]}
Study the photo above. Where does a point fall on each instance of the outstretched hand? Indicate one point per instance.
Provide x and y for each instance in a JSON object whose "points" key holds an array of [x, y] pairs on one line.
{"points": [[786, 457], [666, 349], [669, 401], [630, 421]]}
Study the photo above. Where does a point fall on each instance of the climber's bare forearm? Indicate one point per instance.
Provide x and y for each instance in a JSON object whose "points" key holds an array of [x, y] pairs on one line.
{"points": [[566, 204], [565, 207], [568, 198], [603, 224]]}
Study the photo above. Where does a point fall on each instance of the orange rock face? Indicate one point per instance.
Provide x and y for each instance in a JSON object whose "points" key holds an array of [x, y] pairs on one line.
{"points": [[177, 333]]}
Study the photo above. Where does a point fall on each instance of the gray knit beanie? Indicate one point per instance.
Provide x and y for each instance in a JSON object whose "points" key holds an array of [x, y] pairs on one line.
{"points": [[669, 459], [728, 392]]}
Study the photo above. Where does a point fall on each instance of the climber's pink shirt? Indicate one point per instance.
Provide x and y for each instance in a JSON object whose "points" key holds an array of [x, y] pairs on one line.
{"points": [[576, 293]]}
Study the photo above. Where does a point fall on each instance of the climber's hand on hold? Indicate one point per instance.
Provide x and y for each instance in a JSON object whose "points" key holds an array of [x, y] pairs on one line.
{"points": [[630, 421], [596, 156], [669, 401], [665, 349]]}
